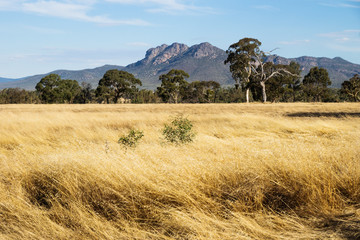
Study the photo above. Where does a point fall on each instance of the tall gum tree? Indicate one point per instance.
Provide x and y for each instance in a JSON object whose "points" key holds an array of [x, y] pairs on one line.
{"points": [[315, 84], [266, 71], [173, 84], [242, 60], [247, 63]]}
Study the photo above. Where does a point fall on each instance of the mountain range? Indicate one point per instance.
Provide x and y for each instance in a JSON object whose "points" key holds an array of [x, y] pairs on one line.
{"points": [[202, 61]]}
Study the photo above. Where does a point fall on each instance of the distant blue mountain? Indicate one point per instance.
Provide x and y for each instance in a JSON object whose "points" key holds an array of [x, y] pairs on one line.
{"points": [[2, 80]]}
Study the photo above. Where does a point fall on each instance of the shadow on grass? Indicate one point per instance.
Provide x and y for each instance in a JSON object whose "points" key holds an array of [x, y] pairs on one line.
{"points": [[347, 225], [324, 114]]}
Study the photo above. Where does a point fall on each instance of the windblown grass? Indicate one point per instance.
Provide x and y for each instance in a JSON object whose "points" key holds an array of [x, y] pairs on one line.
{"points": [[273, 171]]}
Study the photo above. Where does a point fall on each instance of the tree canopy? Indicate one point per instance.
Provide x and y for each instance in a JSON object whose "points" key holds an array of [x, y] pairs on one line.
{"points": [[242, 58], [53, 89], [173, 85], [116, 84], [248, 65], [315, 84], [351, 88]]}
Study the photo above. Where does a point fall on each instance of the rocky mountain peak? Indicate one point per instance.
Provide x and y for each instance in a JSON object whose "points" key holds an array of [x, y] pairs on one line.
{"points": [[153, 52], [204, 50], [277, 59], [164, 53]]}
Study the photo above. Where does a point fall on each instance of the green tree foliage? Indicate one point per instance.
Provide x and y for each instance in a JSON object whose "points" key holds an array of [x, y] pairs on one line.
{"points": [[202, 92], [173, 85], [86, 94], [17, 96], [146, 96], [53, 89], [285, 88], [230, 95], [179, 131], [247, 64], [116, 84], [315, 84], [46, 88], [351, 88], [131, 139], [67, 91], [103, 93], [242, 58]]}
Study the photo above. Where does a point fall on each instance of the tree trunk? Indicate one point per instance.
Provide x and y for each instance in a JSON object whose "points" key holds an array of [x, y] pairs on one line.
{"points": [[247, 95], [263, 91], [175, 98]]}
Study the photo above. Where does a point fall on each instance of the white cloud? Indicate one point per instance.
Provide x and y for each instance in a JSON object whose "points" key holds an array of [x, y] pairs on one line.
{"points": [[67, 9], [295, 42], [166, 6], [173, 4], [342, 4], [43, 30], [350, 35], [8, 5], [345, 48], [345, 41], [138, 44], [267, 7]]}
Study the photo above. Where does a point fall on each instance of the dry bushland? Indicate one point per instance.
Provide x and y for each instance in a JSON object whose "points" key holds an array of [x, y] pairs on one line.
{"points": [[256, 171]]}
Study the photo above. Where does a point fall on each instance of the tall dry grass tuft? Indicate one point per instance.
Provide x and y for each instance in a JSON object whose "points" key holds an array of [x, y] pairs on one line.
{"points": [[273, 171]]}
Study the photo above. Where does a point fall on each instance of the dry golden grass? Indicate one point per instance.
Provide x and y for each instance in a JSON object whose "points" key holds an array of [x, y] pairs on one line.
{"points": [[256, 171]]}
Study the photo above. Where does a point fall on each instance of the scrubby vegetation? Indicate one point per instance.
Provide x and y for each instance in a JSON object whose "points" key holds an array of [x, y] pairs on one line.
{"points": [[179, 131], [256, 171], [131, 139]]}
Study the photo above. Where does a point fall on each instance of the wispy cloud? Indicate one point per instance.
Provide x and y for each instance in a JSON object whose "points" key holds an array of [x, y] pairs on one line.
{"points": [[8, 5], [345, 48], [295, 42], [43, 30], [342, 4], [266, 7], [345, 41], [350, 35], [167, 6], [68, 9], [138, 44]]}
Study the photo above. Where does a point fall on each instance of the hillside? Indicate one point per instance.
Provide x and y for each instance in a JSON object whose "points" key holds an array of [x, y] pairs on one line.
{"points": [[2, 80], [203, 62], [91, 76], [339, 69]]}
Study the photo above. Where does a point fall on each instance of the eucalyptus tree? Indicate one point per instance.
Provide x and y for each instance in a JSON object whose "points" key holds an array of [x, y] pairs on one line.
{"points": [[173, 85], [202, 91], [116, 83], [268, 70], [315, 84], [242, 57], [248, 65], [351, 88], [67, 90], [53, 89], [46, 88], [285, 87]]}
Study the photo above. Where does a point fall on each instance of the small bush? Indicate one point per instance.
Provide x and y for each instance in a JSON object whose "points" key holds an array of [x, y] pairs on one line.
{"points": [[132, 139], [179, 131]]}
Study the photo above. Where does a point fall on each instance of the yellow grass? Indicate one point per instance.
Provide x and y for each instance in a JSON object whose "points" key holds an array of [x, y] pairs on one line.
{"points": [[256, 171]]}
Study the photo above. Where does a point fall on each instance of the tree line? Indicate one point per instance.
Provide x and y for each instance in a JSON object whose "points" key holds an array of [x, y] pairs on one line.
{"points": [[255, 80]]}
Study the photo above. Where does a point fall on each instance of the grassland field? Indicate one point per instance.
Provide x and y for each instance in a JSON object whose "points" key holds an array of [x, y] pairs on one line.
{"points": [[254, 171]]}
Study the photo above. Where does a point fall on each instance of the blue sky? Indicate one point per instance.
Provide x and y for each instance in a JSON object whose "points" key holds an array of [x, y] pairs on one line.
{"points": [[39, 36]]}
